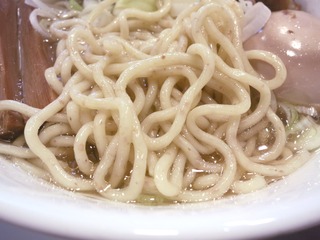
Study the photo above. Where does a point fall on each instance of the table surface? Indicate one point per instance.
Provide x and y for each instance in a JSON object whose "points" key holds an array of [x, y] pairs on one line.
{"points": [[10, 231]]}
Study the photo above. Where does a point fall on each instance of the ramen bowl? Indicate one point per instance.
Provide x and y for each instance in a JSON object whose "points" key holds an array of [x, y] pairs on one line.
{"points": [[287, 205], [284, 206]]}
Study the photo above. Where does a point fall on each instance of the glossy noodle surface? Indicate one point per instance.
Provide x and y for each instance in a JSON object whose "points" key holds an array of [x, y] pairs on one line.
{"points": [[154, 107]]}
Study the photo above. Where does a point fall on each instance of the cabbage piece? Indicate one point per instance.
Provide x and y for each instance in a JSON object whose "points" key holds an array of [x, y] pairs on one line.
{"points": [[177, 6], [144, 5]]}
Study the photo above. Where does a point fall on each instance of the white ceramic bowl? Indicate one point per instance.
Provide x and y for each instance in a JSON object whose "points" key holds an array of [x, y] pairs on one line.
{"points": [[287, 205]]}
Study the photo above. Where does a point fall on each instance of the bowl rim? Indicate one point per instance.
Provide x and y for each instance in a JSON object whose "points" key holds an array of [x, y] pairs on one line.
{"points": [[56, 211]]}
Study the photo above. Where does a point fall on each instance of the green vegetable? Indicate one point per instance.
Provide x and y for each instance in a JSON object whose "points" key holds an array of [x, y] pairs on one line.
{"points": [[150, 200], [144, 5], [306, 132], [76, 5], [301, 129]]}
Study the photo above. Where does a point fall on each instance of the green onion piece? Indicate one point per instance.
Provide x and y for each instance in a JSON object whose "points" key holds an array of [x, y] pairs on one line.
{"points": [[307, 133], [144, 5], [76, 5], [301, 129]]}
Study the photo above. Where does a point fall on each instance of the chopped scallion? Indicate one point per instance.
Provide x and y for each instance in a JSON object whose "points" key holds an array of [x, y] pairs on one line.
{"points": [[76, 5]]}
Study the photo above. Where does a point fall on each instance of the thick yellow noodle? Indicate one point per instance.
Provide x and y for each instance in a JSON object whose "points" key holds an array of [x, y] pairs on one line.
{"points": [[155, 105]]}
